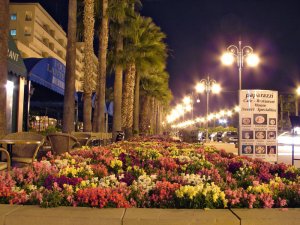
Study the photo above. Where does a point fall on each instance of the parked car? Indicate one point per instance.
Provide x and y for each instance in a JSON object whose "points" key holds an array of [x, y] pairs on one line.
{"points": [[216, 136], [230, 137], [219, 136]]}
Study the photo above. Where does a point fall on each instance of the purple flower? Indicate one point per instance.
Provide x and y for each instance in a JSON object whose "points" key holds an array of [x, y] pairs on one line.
{"points": [[128, 178], [48, 183], [234, 166]]}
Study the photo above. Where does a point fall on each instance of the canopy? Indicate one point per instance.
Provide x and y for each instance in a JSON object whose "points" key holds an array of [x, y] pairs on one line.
{"points": [[48, 72]]}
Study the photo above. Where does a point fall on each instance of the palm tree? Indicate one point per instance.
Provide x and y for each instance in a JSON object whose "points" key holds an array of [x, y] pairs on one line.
{"points": [[128, 99], [88, 21], [150, 57], [101, 84], [118, 11], [4, 26], [69, 98], [144, 49], [154, 91]]}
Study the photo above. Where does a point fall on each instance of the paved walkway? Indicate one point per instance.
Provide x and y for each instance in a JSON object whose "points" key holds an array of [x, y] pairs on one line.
{"points": [[228, 147]]}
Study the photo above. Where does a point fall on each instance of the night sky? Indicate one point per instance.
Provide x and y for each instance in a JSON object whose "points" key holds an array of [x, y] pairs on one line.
{"points": [[198, 31]]}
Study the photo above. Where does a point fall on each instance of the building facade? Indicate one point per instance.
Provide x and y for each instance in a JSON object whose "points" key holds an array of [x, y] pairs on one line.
{"points": [[38, 35]]}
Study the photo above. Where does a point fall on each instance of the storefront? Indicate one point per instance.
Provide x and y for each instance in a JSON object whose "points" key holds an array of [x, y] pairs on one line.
{"points": [[17, 75], [46, 84]]}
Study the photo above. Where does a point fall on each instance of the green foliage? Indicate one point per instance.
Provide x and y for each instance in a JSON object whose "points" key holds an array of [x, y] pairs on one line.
{"points": [[50, 130], [217, 129], [52, 199]]}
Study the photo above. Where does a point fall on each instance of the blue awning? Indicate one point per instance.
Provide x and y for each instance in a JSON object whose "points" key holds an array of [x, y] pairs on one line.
{"points": [[48, 72]]}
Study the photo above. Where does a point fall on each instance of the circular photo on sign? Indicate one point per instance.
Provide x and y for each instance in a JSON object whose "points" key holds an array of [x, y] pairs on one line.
{"points": [[247, 134], [271, 134], [247, 149], [260, 149], [246, 121], [260, 134], [260, 119], [272, 121], [271, 150]]}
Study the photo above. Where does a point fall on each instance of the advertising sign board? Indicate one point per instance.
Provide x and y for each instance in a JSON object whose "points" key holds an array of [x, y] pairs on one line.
{"points": [[258, 124]]}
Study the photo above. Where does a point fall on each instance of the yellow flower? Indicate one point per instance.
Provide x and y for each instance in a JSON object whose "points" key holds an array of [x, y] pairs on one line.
{"points": [[115, 163], [83, 183], [215, 197]]}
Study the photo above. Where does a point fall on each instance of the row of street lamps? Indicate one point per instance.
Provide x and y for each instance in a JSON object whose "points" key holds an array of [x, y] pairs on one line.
{"points": [[235, 53], [208, 86]]}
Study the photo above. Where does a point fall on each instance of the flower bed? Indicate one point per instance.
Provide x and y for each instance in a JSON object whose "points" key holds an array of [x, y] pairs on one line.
{"points": [[152, 173]]}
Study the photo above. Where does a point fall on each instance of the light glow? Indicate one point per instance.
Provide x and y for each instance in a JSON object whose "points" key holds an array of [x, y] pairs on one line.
{"points": [[216, 88], [298, 91], [9, 86], [227, 58], [237, 109], [187, 100], [200, 87], [188, 108], [229, 113], [252, 60]]}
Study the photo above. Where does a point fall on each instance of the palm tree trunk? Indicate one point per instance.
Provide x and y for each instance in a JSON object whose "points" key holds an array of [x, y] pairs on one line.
{"points": [[118, 83], [103, 45], [69, 98], [128, 99], [145, 114], [159, 118], [87, 111], [157, 131], [153, 116], [95, 112], [88, 21], [136, 105], [4, 26]]}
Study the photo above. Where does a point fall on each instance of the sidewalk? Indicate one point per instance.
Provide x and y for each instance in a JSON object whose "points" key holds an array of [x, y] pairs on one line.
{"points": [[228, 147]]}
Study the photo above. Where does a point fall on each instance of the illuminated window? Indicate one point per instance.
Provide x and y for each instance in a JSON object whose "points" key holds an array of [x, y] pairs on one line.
{"points": [[13, 16], [13, 32]]}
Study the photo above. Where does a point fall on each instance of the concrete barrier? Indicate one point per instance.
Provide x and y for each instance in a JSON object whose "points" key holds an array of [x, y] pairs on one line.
{"points": [[5, 210], [179, 217], [34, 215], [268, 216]]}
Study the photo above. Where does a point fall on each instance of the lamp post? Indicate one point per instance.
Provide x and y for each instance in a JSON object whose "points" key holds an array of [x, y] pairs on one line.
{"points": [[188, 102], [239, 53], [207, 85]]}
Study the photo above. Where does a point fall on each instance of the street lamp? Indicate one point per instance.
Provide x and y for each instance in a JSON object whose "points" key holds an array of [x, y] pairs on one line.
{"points": [[188, 102], [207, 85], [240, 53]]}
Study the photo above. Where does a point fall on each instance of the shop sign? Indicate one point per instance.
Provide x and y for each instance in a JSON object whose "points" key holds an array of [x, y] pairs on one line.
{"points": [[258, 122]]}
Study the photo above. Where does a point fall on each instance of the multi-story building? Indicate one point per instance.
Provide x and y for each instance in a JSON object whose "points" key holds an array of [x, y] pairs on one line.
{"points": [[38, 35]]}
